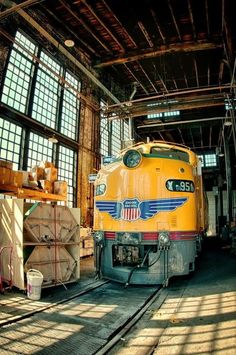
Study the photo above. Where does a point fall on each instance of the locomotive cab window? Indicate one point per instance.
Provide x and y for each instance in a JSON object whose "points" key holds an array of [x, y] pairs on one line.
{"points": [[169, 153]]}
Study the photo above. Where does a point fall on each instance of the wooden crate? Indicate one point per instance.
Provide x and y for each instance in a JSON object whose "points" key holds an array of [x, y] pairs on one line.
{"points": [[60, 188], [5, 176], [30, 247]]}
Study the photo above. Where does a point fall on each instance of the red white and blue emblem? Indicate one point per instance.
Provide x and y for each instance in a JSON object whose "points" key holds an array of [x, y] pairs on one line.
{"points": [[133, 209]]}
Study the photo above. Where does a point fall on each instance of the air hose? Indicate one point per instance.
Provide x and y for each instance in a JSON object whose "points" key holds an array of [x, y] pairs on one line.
{"points": [[137, 267]]}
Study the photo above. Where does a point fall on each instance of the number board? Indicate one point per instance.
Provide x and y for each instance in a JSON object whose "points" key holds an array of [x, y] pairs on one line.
{"points": [[180, 185]]}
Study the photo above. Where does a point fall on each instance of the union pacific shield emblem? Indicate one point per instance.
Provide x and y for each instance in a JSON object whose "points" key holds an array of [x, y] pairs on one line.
{"points": [[130, 210], [133, 209]]}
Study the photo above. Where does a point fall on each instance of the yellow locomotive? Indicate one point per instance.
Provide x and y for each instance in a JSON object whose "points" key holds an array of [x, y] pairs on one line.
{"points": [[149, 213]]}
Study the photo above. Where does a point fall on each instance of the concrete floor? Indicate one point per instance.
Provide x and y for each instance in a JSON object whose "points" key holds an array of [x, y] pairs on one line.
{"points": [[198, 313]]}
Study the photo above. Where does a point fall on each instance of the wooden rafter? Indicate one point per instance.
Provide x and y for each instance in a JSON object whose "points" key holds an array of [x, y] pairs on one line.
{"points": [[192, 20], [174, 20], [102, 24], [201, 135], [77, 18], [118, 21], [196, 71], [208, 76], [221, 70], [162, 82], [160, 52], [146, 75], [207, 17], [145, 33], [210, 136], [75, 35], [175, 84], [157, 25], [136, 79], [192, 139], [181, 136]]}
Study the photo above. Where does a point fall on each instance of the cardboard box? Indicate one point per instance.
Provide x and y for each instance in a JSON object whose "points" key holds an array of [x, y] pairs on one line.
{"points": [[88, 243], [25, 177], [6, 164], [60, 188], [46, 164], [5, 176], [17, 178], [50, 174], [46, 185], [37, 173]]}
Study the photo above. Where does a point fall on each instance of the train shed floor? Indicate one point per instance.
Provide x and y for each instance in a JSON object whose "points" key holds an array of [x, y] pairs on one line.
{"points": [[197, 314], [194, 315]]}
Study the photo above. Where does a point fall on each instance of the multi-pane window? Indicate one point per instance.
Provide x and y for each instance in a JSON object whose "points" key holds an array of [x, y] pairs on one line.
{"points": [[45, 91], [67, 169], [55, 100], [46, 95], [104, 131], [125, 130], [19, 74], [40, 149], [163, 114], [70, 107], [210, 160], [116, 137], [104, 137], [10, 142]]}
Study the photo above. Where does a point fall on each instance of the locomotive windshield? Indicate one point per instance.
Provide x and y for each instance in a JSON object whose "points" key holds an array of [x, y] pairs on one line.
{"points": [[170, 153]]}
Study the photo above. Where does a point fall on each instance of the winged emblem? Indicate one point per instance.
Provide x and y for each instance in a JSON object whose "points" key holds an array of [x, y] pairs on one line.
{"points": [[133, 209]]}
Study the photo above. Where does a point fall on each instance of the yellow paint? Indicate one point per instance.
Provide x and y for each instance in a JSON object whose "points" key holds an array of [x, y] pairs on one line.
{"points": [[148, 181]]}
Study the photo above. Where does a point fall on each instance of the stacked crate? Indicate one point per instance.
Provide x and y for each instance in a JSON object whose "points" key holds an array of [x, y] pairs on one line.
{"points": [[42, 177], [86, 242], [45, 176], [8, 176]]}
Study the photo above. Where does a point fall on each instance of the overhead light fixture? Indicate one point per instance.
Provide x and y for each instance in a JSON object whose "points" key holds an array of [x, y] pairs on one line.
{"points": [[69, 43], [228, 123], [53, 139], [221, 154]]}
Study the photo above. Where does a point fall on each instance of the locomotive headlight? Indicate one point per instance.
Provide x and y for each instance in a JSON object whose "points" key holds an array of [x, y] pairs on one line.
{"points": [[164, 239], [98, 236], [132, 158]]}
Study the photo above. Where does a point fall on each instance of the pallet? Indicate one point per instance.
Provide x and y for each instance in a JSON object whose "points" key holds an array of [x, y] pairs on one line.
{"points": [[29, 193]]}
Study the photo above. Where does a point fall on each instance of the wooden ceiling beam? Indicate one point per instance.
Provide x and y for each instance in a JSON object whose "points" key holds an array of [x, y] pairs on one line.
{"points": [[201, 135], [144, 111], [208, 76], [158, 26], [181, 136], [192, 139], [210, 137], [192, 20], [80, 21], [118, 21], [103, 24], [174, 20], [149, 80], [136, 79], [160, 52], [146, 34], [196, 72], [207, 17]]}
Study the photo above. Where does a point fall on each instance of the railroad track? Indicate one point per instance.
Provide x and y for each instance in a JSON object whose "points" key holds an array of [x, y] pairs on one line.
{"points": [[90, 322]]}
